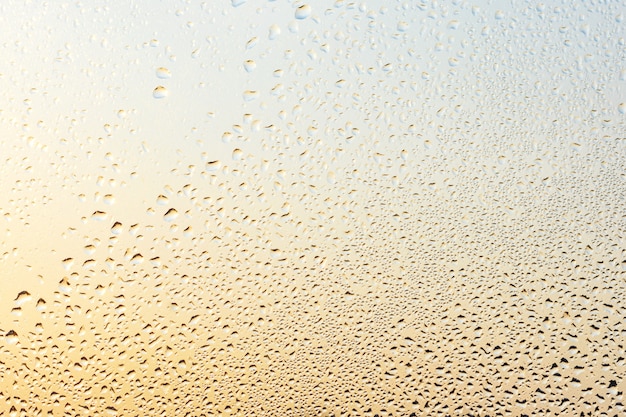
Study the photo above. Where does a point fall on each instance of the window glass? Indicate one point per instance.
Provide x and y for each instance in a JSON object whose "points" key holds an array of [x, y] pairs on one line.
{"points": [[333, 208]]}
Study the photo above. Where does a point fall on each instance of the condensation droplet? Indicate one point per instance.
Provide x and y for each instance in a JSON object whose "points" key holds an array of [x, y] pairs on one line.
{"points": [[250, 95], [252, 42], [136, 259], [249, 65], [108, 199], [11, 337], [160, 92], [67, 263], [237, 154], [99, 215], [303, 12], [274, 32], [213, 165], [116, 229], [170, 215], [22, 297], [163, 73], [402, 26]]}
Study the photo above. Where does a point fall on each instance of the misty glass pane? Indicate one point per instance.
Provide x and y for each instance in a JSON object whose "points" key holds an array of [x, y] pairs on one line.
{"points": [[332, 208]]}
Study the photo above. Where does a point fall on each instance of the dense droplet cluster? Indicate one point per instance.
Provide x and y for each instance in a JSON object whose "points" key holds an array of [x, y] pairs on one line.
{"points": [[341, 209]]}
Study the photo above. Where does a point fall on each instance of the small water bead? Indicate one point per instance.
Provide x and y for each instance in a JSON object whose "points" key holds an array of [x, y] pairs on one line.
{"points": [[163, 73], [170, 215], [402, 26], [274, 32], [249, 65], [252, 42], [237, 154], [303, 12], [160, 92], [250, 95], [11, 337]]}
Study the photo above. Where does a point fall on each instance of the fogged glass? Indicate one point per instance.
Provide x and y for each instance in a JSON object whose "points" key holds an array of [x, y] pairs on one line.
{"points": [[333, 208]]}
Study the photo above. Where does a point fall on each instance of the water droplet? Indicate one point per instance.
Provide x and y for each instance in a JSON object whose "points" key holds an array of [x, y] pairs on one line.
{"points": [[274, 32], [402, 26], [170, 215], [237, 3], [99, 215], [622, 108], [237, 154], [22, 297], [163, 73], [108, 199], [249, 65], [213, 165], [67, 263], [303, 12], [116, 229], [12, 338], [136, 259], [160, 92], [250, 95], [252, 42]]}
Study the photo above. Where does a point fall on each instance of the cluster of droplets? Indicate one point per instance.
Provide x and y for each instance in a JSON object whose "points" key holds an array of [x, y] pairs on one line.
{"points": [[407, 209]]}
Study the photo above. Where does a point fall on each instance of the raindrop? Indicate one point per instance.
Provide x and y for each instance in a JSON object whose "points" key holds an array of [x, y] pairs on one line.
{"points": [[136, 259], [213, 165], [108, 199], [250, 95], [116, 229], [274, 32], [11, 337], [402, 26], [163, 73], [22, 297], [249, 65], [160, 92], [170, 215], [252, 42], [303, 12], [237, 154], [67, 263], [99, 215]]}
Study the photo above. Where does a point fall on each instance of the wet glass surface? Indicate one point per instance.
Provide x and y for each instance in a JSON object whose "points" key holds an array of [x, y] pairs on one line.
{"points": [[328, 208]]}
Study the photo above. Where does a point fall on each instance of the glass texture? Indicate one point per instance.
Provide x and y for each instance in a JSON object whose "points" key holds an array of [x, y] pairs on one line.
{"points": [[323, 208]]}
